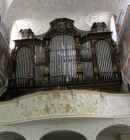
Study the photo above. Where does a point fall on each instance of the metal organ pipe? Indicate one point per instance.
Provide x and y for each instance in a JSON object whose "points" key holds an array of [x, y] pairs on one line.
{"points": [[87, 63], [39, 52], [62, 56], [24, 66], [104, 60]]}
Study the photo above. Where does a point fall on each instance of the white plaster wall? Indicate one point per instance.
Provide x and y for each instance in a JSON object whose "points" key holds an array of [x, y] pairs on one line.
{"points": [[124, 87], [88, 127], [124, 4], [4, 31], [127, 137], [107, 138], [32, 117], [10, 137], [124, 137], [64, 104], [123, 7], [6, 4], [1, 8]]}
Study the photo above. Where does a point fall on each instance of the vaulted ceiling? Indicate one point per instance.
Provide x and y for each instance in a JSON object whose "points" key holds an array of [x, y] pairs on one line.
{"points": [[36, 14]]}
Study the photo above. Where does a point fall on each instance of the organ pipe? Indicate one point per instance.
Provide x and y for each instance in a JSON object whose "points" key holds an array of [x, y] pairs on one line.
{"points": [[104, 59], [24, 66], [66, 60], [63, 60]]}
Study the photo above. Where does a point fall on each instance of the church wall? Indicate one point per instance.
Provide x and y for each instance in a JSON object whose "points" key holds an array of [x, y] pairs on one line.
{"points": [[125, 137], [124, 87], [86, 112], [64, 103], [1, 9], [107, 138], [124, 36], [4, 58], [124, 48], [88, 127], [82, 111], [123, 7]]}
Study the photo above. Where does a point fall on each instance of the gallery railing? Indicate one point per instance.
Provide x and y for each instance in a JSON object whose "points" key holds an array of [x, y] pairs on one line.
{"points": [[66, 80]]}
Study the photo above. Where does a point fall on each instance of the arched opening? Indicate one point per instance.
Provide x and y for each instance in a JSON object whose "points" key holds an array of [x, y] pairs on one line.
{"points": [[64, 135], [115, 132], [11, 136]]}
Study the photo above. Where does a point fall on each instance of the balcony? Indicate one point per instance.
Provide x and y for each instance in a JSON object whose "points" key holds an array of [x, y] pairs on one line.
{"points": [[64, 60], [23, 86], [64, 104]]}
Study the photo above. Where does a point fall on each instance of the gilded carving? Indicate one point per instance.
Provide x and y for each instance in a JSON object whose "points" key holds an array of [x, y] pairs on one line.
{"points": [[93, 50], [32, 54], [30, 82], [68, 108], [61, 27], [47, 43], [13, 54], [31, 47], [79, 67], [95, 70], [115, 68], [46, 48], [47, 109], [46, 79], [67, 102], [111, 49], [109, 40], [1, 82], [77, 40], [13, 75], [30, 75], [80, 77], [26, 113], [56, 96], [77, 45], [93, 42], [46, 70]]}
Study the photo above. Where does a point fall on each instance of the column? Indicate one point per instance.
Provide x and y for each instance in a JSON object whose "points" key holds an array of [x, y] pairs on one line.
{"points": [[94, 60], [78, 58], [46, 71], [115, 61], [13, 68], [32, 72]]}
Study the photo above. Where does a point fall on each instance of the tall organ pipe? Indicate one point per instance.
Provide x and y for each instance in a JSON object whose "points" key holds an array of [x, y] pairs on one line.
{"points": [[62, 54], [24, 66], [104, 60]]}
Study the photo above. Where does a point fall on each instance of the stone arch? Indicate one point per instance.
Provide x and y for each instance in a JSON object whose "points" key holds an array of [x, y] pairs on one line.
{"points": [[114, 132], [63, 134], [9, 135]]}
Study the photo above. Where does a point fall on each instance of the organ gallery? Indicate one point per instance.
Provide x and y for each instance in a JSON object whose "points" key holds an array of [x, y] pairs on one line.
{"points": [[64, 70], [66, 58]]}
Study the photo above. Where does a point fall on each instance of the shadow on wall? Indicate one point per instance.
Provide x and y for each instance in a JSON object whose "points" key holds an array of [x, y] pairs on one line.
{"points": [[63, 135], [115, 132], [11, 136]]}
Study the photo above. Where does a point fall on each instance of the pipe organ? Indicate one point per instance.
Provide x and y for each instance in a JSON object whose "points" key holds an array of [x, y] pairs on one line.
{"points": [[62, 59], [65, 57], [104, 61], [24, 66], [39, 59], [86, 54]]}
